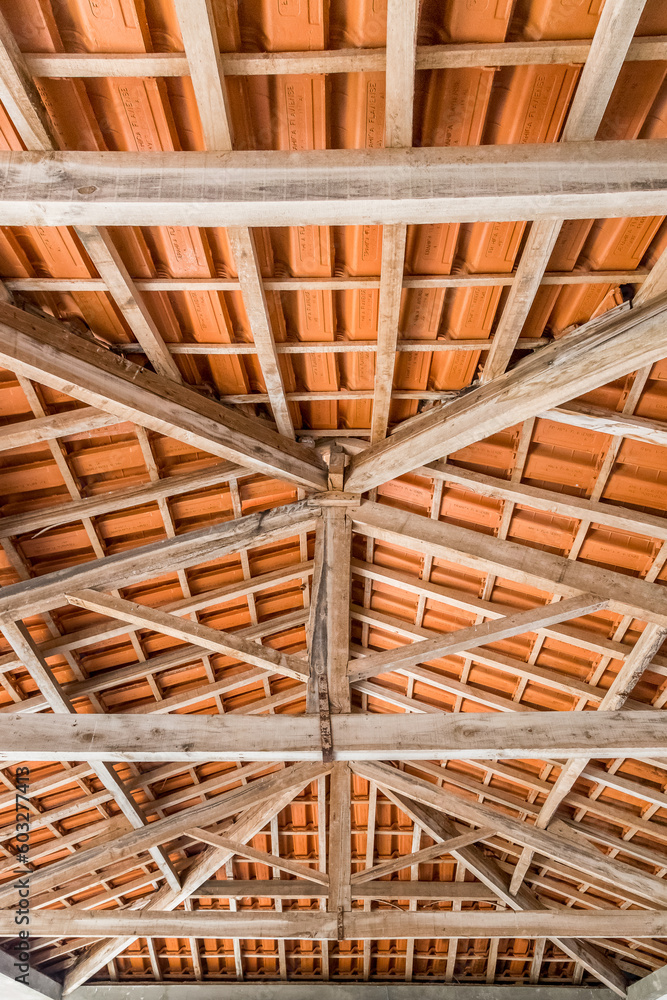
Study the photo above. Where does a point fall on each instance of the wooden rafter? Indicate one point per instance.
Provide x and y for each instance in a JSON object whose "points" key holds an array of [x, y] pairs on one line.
{"points": [[44, 350], [621, 341], [344, 187]]}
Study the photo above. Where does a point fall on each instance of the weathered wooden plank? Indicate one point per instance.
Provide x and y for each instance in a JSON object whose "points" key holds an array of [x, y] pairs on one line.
{"points": [[451, 643], [360, 737], [146, 561], [217, 640], [547, 500], [43, 350], [356, 925], [335, 187], [484, 554], [599, 352], [456, 56]]}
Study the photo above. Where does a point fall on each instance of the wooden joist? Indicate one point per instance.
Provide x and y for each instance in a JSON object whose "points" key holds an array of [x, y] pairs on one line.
{"points": [[43, 350], [68, 511], [353, 925], [574, 853], [147, 561], [306, 889], [190, 631], [599, 352], [360, 60], [361, 737], [267, 797], [611, 515], [483, 554], [335, 187], [456, 642]]}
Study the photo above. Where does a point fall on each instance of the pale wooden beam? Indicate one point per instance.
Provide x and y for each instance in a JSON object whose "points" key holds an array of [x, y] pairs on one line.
{"points": [[55, 425], [30, 117], [147, 561], [402, 19], [101, 249], [355, 925], [205, 67], [279, 791], [562, 849], [335, 284], [594, 418], [625, 680], [422, 856], [439, 736], [599, 352], [21, 642], [361, 60], [612, 39], [44, 350], [335, 187], [217, 640], [118, 499], [199, 33], [459, 640], [490, 873], [244, 248], [609, 514], [307, 889], [483, 553], [261, 857]]}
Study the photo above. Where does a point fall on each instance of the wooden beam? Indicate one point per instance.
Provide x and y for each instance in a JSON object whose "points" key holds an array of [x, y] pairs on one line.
{"points": [[459, 640], [217, 640], [306, 889], [277, 794], [491, 874], [69, 511], [423, 856], [335, 187], [146, 561], [43, 350], [101, 249], [484, 554], [360, 737], [361, 60], [613, 35], [594, 418], [625, 680], [356, 925], [599, 352], [55, 425], [244, 248], [566, 850], [399, 107], [311, 875], [335, 284], [609, 514]]}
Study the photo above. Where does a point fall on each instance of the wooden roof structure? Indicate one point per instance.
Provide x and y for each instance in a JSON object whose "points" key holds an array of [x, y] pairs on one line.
{"points": [[334, 493]]}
